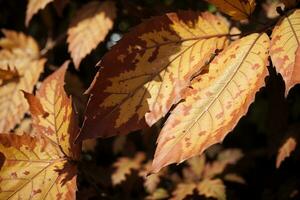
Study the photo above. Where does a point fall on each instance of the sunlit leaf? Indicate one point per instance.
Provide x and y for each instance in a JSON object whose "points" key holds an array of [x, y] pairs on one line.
{"points": [[40, 167], [285, 150], [212, 188], [284, 43], [89, 27], [237, 9], [215, 102], [144, 74], [33, 7], [20, 52], [124, 167]]}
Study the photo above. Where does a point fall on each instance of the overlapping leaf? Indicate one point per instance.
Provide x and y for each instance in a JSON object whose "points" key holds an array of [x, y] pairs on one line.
{"points": [[39, 167], [285, 150], [216, 101], [21, 53], [284, 44], [90, 27], [145, 73], [237, 9]]}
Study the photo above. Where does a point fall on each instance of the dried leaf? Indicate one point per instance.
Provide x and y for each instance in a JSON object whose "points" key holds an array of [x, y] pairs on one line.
{"points": [[89, 145], [39, 167], [212, 188], [151, 66], [285, 150], [8, 75], [183, 190], [215, 103], [124, 166], [290, 3], [197, 165], [284, 43], [90, 27], [237, 9], [24, 127], [22, 52], [33, 7], [234, 178], [160, 193]]}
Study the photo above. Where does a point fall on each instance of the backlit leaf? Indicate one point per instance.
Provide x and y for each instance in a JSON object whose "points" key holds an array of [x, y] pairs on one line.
{"points": [[145, 73], [33, 7], [212, 188], [39, 167], [124, 166], [284, 43], [285, 150], [237, 9], [216, 101], [183, 190], [22, 54], [89, 27]]}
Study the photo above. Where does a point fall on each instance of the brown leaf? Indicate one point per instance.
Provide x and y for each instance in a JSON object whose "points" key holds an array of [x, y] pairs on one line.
{"points": [[151, 67], [89, 27], [8, 75], [183, 190], [212, 188]]}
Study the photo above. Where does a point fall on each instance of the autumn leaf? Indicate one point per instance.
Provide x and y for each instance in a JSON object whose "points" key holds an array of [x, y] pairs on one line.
{"points": [[124, 167], [160, 193], [197, 165], [285, 150], [237, 9], [290, 3], [22, 53], [151, 66], [183, 190], [215, 102], [33, 7], [89, 27], [40, 167], [212, 188], [25, 126], [234, 178], [8, 75], [284, 44]]}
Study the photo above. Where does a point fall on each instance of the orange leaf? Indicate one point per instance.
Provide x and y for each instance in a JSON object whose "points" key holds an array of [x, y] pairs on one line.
{"points": [[215, 103], [90, 27], [212, 188], [284, 44], [8, 75], [21, 52], [39, 167], [285, 150], [124, 166], [237, 9], [33, 7], [145, 73], [183, 190]]}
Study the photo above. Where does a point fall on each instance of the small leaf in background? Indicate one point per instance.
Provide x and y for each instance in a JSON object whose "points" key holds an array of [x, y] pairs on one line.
{"points": [[215, 102], [183, 190], [124, 167], [33, 7], [21, 52], [212, 188], [89, 27], [284, 44], [151, 65], [285, 150], [160, 193], [234, 178], [40, 167], [237, 9]]}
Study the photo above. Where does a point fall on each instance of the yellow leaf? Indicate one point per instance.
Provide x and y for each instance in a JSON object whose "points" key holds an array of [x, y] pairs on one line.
{"points": [[212, 188], [237, 9], [22, 53], [25, 126], [90, 27], [197, 165], [183, 190], [215, 102], [33, 7], [124, 166], [285, 150], [160, 193], [40, 167], [284, 43], [144, 74]]}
